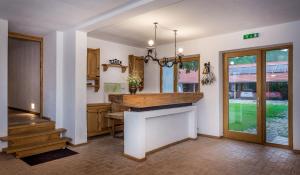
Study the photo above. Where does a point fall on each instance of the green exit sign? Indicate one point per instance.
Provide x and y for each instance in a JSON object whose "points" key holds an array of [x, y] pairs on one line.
{"points": [[251, 35]]}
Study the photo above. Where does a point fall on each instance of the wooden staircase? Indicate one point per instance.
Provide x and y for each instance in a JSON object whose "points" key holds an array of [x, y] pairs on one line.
{"points": [[27, 140]]}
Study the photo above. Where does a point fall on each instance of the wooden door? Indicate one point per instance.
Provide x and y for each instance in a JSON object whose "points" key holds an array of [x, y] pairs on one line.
{"points": [[242, 91], [93, 63], [136, 66]]}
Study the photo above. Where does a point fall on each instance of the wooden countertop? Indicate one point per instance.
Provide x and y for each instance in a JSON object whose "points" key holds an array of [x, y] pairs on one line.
{"points": [[98, 104], [154, 99]]}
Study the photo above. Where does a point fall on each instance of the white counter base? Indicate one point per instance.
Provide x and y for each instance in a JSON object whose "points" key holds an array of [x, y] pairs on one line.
{"points": [[150, 130]]}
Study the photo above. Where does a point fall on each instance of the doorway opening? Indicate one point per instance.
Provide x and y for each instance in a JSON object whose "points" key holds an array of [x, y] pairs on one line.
{"points": [[25, 79], [257, 95]]}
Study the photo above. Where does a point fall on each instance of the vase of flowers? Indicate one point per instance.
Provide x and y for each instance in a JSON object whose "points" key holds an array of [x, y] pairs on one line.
{"points": [[141, 86], [134, 82]]}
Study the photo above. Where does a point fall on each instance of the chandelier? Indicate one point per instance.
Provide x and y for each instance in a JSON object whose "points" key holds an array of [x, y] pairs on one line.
{"points": [[164, 62]]}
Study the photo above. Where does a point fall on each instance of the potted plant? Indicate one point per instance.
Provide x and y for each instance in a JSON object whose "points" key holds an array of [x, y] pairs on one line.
{"points": [[134, 82]]}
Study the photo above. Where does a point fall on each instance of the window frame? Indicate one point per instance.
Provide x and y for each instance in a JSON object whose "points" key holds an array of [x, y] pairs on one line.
{"points": [[175, 72]]}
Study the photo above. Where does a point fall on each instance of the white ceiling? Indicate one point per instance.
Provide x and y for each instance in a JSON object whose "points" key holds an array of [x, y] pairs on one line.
{"points": [[39, 17], [200, 18]]}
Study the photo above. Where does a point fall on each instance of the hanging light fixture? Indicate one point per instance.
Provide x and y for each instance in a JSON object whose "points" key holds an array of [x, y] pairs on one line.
{"points": [[164, 62]]}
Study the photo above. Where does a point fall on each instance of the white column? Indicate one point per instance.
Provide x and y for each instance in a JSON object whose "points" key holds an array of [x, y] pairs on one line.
{"points": [[3, 79], [53, 89], [192, 117], [74, 85]]}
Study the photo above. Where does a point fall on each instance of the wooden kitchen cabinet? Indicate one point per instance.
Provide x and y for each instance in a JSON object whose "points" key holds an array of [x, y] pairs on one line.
{"points": [[93, 63], [97, 123], [136, 66], [93, 68]]}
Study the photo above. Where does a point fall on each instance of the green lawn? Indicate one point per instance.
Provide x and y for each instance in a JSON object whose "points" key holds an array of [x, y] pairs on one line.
{"points": [[243, 115]]}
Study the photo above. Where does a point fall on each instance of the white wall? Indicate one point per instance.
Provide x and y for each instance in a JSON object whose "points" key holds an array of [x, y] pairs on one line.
{"points": [[80, 90], [3, 78], [53, 89], [110, 50], [210, 119], [74, 85], [23, 74]]}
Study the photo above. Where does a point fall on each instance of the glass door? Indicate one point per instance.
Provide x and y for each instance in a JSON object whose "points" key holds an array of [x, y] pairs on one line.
{"points": [[242, 96], [277, 83]]}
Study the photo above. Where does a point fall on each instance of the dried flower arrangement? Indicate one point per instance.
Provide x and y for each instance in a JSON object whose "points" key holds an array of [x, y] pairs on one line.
{"points": [[208, 76]]}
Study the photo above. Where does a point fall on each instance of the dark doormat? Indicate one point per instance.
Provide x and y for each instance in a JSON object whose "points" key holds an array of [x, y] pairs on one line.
{"points": [[47, 157]]}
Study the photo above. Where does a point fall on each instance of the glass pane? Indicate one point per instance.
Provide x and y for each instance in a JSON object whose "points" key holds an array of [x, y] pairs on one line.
{"points": [[168, 79], [277, 96], [242, 94], [188, 77]]}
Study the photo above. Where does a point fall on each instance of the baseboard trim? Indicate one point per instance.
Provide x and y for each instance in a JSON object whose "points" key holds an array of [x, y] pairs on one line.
{"points": [[210, 136], [47, 118], [296, 151], [24, 110], [134, 158], [157, 150], [78, 145], [167, 146]]}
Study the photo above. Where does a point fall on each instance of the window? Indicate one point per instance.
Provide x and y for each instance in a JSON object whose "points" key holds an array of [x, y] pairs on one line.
{"points": [[168, 79], [187, 79]]}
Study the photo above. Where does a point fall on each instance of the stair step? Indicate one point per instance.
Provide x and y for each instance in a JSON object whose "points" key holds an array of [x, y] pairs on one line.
{"points": [[32, 146], [28, 138], [40, 150], [31, 134], [38, 127], [18, 121]]}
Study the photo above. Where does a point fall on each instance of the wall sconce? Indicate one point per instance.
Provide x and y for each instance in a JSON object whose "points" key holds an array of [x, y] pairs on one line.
{"points": [[32, 106], [208, 76]]}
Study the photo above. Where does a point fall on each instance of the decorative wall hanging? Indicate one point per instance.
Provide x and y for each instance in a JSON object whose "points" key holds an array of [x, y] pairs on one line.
{"points": [[115, 61], [208, 76]]}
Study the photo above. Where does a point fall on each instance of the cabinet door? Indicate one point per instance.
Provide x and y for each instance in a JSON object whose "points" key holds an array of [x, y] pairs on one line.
{"points": [[97, 123], [93, 63], [139, 68], [92, 121], [103, 121]]}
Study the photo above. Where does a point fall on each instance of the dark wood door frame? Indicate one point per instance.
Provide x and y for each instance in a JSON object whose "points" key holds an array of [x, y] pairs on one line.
{"points": [[258, 138], [290, 93], [41, 41], [262, 68]]}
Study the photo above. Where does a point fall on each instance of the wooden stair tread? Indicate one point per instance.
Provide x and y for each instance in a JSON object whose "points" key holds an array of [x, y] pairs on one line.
{"points": [[31, 134], [19, 148], [31, 125], [14, 122]]}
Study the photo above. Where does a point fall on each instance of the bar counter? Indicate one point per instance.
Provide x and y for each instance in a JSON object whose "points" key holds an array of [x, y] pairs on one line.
{"points": [[156, 121], [148, 100]]}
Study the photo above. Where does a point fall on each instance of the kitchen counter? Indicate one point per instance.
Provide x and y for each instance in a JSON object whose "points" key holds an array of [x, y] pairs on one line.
{"points": [[156, 121]]}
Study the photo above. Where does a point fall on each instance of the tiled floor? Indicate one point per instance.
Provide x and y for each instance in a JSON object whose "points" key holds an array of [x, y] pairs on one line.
{"points": [[204, 156]]}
